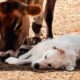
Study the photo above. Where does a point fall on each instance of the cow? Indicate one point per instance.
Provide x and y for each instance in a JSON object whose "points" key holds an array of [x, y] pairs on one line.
{"points": [[48, 17], [14, 24]]}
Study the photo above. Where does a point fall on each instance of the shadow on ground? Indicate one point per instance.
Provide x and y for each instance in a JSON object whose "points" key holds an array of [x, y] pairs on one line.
{"points": [[6, 67]]}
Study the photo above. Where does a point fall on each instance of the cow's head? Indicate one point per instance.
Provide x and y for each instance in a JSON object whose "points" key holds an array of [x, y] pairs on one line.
{"points": [[21, 5], [11, 12]]}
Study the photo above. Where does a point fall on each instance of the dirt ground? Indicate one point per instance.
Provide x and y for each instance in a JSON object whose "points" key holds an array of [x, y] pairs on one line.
{"points": [[66, 20]]}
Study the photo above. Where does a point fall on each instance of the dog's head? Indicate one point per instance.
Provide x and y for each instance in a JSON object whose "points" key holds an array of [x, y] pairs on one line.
{"points": [[57, 58], [54, 58]]}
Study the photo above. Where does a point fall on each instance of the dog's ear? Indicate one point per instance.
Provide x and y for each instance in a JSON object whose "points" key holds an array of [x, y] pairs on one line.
{"points": [[61, 52]]}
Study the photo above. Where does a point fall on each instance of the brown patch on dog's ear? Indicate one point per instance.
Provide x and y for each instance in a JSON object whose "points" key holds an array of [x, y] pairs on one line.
{"points": [[61, 52], [33, 10]]}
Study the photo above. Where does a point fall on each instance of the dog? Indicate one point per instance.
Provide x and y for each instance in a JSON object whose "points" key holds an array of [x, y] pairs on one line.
{"points": [[59, 52], [14, 24]]}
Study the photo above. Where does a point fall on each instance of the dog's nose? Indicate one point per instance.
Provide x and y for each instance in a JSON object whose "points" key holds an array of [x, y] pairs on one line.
{"points": [[36, 66]]}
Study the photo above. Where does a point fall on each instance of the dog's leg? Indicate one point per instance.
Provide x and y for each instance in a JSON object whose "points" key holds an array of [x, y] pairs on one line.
{"points": [[16, 61], [30, 53], [26, 55], [6, 54]]}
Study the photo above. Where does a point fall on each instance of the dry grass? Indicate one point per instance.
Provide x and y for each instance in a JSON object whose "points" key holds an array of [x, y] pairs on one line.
{"points": [[66, 20]]}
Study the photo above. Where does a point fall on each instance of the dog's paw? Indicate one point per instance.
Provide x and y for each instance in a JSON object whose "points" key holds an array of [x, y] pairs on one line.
{"points": [[11, 60]]}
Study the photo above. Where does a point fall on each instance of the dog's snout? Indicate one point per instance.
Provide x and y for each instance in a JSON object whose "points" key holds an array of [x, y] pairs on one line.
{"points": [[36, 66]]}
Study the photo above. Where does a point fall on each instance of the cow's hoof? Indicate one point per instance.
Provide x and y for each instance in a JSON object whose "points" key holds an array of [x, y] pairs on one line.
{"points": [[36, 28], [35, 40]]}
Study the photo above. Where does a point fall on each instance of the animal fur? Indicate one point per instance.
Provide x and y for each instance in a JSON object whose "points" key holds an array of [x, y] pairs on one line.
{"points": [[52, 53]]}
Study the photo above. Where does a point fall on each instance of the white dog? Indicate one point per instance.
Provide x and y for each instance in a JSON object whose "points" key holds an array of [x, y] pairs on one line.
{"points": [[52, 53]]}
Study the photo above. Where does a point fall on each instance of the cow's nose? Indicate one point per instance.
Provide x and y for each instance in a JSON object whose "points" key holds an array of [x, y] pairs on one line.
{"points": [[36, 66]]}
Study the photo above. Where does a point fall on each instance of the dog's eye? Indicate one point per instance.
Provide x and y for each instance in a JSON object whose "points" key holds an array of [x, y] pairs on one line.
{"points": [[45, 57], [49, 65], [54, 47]]}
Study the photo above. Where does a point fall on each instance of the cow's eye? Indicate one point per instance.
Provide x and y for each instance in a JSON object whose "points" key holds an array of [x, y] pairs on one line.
{"points": [[49, 65], [45, 57]]}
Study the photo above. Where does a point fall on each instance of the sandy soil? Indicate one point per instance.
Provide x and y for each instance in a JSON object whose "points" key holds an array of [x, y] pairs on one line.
{"points": [[66, 20], [11, 72]]}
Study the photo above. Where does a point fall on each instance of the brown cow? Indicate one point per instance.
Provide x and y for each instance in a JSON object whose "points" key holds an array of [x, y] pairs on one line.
{"points": [[14, 24]]}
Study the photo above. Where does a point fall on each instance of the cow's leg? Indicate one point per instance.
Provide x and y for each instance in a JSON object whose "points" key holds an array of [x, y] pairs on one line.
{"points": [[49, 16], [36, 26]]}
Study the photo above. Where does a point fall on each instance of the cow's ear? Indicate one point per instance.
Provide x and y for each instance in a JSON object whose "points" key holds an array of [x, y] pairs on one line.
{"points": [[33, 9]]}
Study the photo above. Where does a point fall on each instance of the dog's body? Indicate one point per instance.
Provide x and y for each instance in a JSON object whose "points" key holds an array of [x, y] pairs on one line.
{"points": [[52, 53]]}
